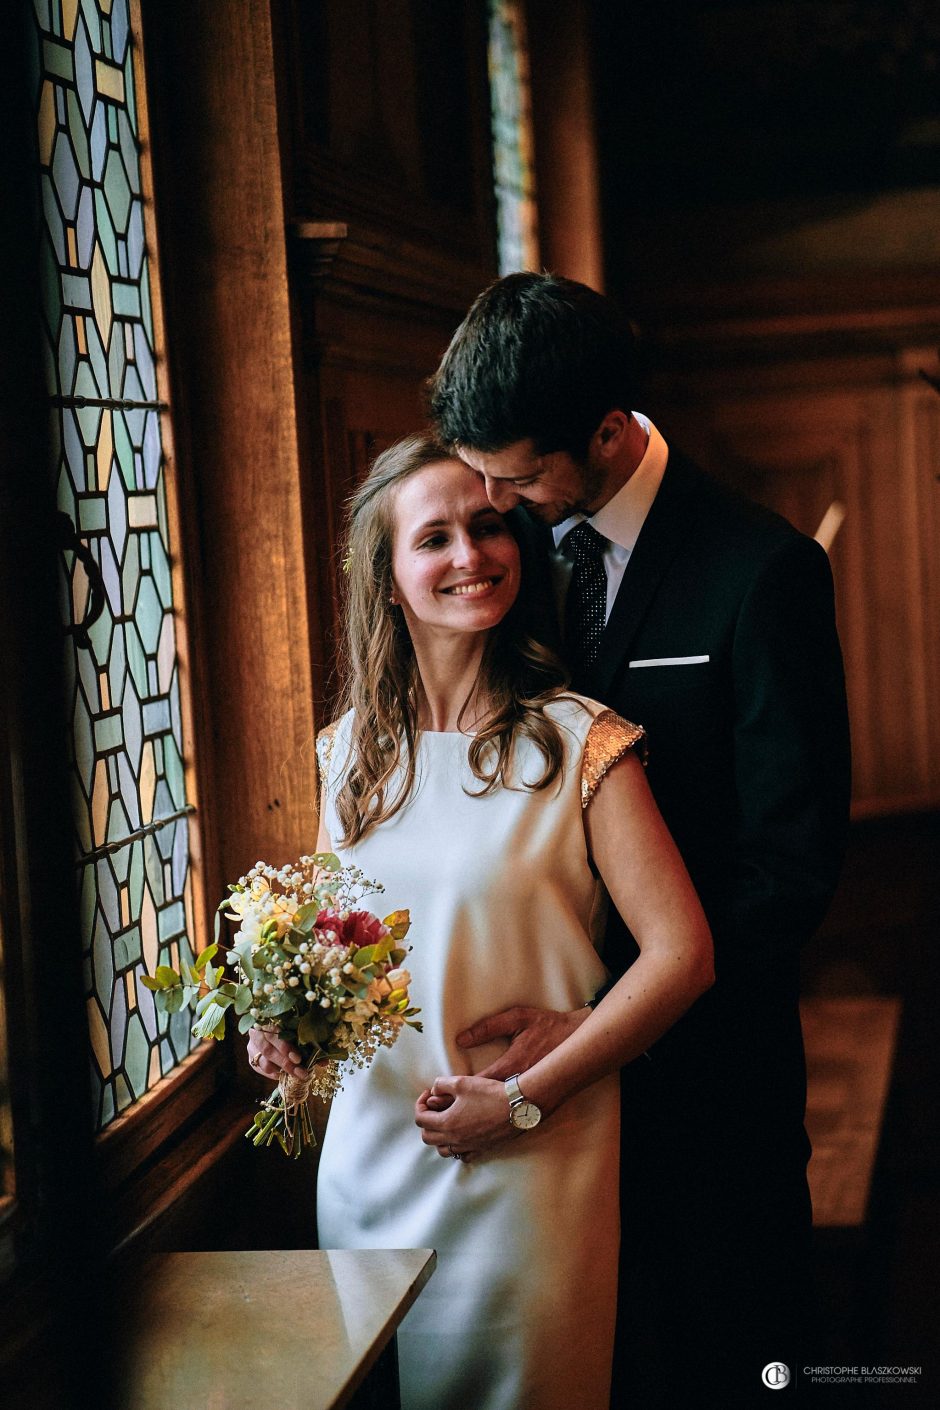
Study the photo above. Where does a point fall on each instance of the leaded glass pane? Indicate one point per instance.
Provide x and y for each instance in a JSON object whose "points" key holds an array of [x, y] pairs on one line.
{"points": [[513, 161], [131, 815]]}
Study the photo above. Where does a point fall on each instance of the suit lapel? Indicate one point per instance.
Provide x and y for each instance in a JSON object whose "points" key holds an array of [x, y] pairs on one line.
{"points": [[670, 520]]}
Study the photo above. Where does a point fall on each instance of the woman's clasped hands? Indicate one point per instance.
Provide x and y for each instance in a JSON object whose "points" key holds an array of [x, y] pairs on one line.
{"points": [[462, 1116], [271, 1056]]}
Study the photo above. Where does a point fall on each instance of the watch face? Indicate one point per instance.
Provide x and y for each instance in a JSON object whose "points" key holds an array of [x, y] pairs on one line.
{"points": [[525, 1116]]}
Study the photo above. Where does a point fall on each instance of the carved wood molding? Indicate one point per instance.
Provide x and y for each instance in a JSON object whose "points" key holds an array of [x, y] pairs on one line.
{"points": [[373, 268], [865, 312], [318, 244]]}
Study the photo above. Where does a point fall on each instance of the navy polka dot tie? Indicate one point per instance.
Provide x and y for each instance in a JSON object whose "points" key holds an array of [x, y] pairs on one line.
{"points": [[586, 603]]}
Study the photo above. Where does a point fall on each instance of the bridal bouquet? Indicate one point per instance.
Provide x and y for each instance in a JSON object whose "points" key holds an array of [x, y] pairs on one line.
{"points": [[309, 966]]}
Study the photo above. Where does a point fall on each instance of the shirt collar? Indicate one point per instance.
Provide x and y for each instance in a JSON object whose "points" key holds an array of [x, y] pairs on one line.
{"points": [[622, 517]]}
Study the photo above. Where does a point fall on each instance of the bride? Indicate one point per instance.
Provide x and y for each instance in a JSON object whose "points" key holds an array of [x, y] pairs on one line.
{"points": [[503, 811]]}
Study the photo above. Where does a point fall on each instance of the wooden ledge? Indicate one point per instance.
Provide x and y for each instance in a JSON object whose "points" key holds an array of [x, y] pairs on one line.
{"points": [[296, 1330]]}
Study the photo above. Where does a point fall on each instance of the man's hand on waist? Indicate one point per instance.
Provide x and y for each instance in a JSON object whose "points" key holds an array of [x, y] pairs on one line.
{"points": [[533, 1033]]}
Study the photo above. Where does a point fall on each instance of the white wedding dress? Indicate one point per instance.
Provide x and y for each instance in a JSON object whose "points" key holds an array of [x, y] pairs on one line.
{"points": [[519, 1312]]}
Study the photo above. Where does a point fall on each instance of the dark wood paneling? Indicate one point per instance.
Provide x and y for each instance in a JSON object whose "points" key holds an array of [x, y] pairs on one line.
{"points": [[799, 432], [389, 118]]}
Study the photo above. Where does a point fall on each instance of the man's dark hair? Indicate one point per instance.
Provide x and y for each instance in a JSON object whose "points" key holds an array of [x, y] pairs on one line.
{"points": [[537, 356]]}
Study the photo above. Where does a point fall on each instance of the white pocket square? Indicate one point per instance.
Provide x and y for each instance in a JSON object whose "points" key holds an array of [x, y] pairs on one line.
{"points": [[672, 661]]}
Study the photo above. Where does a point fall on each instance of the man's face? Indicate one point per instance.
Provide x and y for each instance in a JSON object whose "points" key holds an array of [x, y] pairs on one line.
{"points": [[552, 487]]}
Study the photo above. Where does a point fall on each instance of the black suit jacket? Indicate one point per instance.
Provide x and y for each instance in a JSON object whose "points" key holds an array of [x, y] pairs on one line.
{"points": [[749, 763]]}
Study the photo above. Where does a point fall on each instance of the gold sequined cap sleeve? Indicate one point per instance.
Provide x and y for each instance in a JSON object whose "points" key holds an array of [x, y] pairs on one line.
{"points": [[608, 740]]}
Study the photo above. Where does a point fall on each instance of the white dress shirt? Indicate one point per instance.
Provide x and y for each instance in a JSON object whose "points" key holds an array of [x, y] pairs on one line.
{"points": [[619, 521]]}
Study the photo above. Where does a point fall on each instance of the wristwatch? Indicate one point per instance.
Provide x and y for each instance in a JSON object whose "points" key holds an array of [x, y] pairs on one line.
{"points": [[522, 1113]]}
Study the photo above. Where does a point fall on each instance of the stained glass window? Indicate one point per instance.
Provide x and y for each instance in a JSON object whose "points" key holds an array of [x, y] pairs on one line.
{"points": [[513, 161], [133, 825]]}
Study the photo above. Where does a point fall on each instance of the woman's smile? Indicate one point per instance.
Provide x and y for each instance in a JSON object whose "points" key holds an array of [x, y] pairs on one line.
{"points": [[475, 588]]}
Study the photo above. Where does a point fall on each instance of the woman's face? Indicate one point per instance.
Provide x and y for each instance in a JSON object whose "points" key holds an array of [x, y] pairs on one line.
{"points": [[455, 565]]}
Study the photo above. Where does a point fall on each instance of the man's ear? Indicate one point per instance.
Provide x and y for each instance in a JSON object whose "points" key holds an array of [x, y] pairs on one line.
{"points": [[610, 434]]}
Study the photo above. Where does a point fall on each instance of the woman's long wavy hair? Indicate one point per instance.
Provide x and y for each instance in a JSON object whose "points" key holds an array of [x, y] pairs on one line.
{"points": [[518, 675]]}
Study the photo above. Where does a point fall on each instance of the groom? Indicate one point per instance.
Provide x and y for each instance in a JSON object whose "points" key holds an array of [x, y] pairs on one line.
{"points": [[710, 621]]}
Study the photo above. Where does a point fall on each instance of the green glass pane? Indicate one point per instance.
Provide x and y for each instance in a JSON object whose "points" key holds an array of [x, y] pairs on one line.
{"points": [[136, 1055], [105, 230], [172, 921], [136, 660], [160, 568], [100, 633], [93, 513], [130, 90], [82, 822], [118, 824], [124, 451], [85, 384], [84, 744], [107, 1106], [102, 960], [91, 17], [145, 306], [117, 192], [148, 615], [127, 947], [136, 878], [126, 300], [78, 133], [134, 726], [174, 773], [116, 664], [57, 59], [130, 571], [120, 865], [89, 424]]}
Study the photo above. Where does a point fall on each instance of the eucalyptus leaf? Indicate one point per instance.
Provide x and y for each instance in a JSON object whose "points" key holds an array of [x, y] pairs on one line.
{"points": [[245, 1022], [242, 999], [206, 1025], [306, 1031], [205, 1001], [153, 985], [204, 956], [281, 1005], [173, 1000], [166, 976], [243, 951]]}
